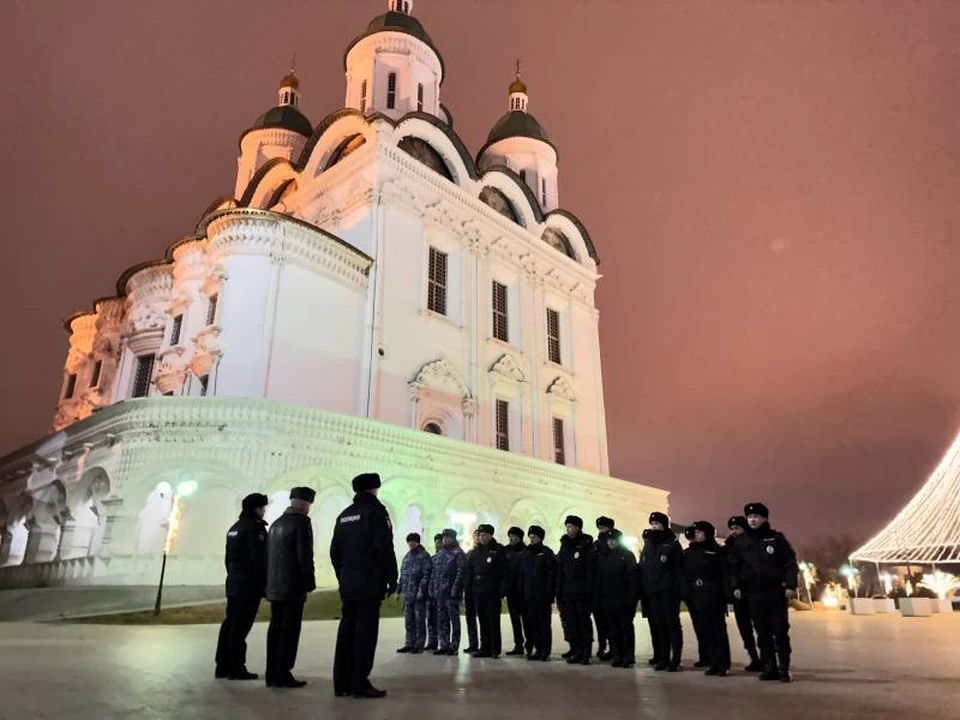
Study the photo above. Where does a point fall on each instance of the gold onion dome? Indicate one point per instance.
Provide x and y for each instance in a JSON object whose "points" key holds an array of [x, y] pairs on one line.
{"points": [[290, 80], [518, 86]]}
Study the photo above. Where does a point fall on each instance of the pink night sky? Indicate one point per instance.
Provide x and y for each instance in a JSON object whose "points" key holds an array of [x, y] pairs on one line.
{"points": [[772, 188]]}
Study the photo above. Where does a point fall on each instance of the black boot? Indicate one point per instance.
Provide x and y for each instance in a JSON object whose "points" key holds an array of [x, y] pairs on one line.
{"points": [[771, 672], [516, 651], [785, 676], [754, 666]]}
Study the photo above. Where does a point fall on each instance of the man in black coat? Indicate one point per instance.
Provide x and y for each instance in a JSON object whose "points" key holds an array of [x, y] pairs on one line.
{"points": [[696, 616], [246, 563], [645, 608], [290, 578], [705, 592], [515, 603], [576, 574], [661, 573], [470, 607], [617, 595], [486, 582], [763, 567], [363, 558], [538, 579], [737, 525], [601, 548]]}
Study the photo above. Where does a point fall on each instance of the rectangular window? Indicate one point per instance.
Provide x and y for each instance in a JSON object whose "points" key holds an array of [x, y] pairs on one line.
{"points": [[420, 97], [141, 381], [212, 310], [559, 448], [543, 192], [363, 96], [391, 91], [503, 425], [500, 319], [95, 376], [553, 335], [204, 384], [175, 330], [437, 282], [70, 387]]}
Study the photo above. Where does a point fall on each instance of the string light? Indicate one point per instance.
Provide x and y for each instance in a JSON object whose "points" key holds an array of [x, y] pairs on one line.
{"points": [[940, 582]]}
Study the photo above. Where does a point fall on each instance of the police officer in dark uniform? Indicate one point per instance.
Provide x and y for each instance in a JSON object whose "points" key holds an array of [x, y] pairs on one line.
{"points": [[470, 607], [617, 595], [486, 581], [737, 525], [601, 549], [246, 562], [363, 559], [515, 604], [764, 566], [645, 609], [290, 578], [696, 616], [538, 579], [705, 592], [576, 570], [661, 573], [432, 601]]}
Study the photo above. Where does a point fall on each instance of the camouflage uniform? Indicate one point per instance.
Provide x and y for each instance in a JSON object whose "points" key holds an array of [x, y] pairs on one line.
{"points": [[446, 585], [414, 582]]}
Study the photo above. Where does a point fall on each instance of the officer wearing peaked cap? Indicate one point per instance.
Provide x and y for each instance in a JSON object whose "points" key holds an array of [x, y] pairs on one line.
{"points": [[246, 561], [737, 526], [432, 601], [366, 567]]}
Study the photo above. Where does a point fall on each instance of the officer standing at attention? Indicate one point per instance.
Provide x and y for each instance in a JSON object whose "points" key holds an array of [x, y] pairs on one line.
{"points": [[645, 608], [515, 604], [486, 583], [737, 525], [618, 595], [704, 570], [661, 573], [601, 549], [470, 607], [575, 584], [366, 567], [246, 562], [290, 578], [431, 601], [763, 566], [696, 616], [413, 588], [538, 579], [446, 586]]}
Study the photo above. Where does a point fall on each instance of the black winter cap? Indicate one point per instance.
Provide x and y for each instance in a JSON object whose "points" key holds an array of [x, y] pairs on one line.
{"points": [[449, 533], [603, 521], [756, 509], [366, 481], [485, 529], [615, 535], [660, 518], [691, 532], [574, 520], [515, 531], [413, 537], [706, 527], [254, 501], [438, 536], [538, 531], [303, 493], [737, 521]]}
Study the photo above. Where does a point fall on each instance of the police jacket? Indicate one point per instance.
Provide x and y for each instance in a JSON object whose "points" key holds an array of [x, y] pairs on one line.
{"points": [[487, 570], [446, 581], [704, 576], [538, 573], [290, 574], [576, 570], [617, 580], [762, 559], [415, 574], [362, 551], [246, 556], [600, 551], [661, 563], [515, 555]]}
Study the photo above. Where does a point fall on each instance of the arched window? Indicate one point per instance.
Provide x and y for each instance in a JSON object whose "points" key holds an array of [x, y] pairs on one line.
{"points": [[433, 428], [391, 91], [348, 146], [499, 202], [558, 241], [424, 152]]}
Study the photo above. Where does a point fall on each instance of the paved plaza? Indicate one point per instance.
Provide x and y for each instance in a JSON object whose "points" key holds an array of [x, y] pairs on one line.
{"points": [[846, 667]]}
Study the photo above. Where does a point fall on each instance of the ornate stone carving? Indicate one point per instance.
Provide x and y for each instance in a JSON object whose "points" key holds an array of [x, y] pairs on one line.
{"points": [[443, 376], [562, 389], [509, 368], [146, 318]]}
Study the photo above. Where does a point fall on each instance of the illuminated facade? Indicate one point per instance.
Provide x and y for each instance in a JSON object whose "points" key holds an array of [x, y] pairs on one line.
{"points": [[371, 297]]}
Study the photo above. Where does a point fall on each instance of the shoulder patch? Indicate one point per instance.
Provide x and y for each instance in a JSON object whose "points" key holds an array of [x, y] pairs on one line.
{"points": [[349, 519]]}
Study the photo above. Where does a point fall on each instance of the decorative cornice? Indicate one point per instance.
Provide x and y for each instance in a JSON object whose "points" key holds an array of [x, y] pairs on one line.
{"points": [[443, 376], [508, 368], [561, 388]]}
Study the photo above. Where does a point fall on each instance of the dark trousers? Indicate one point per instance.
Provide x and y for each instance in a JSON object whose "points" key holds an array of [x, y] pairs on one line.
{"points": [[665, 613], [448, 624], [769, 611], [715, 631], [579, 625], [699, 620], [283, 637], [539, 627], [623, 637], [431, 624], [470, 611], [356, 645], [488, 615], [601, 620], [232, 644], [515, 606], [741, 610], [564, 620], [654, 637]]}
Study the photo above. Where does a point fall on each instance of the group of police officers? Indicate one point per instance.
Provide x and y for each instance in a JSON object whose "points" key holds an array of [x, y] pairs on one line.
{"points": [[593, 583]]}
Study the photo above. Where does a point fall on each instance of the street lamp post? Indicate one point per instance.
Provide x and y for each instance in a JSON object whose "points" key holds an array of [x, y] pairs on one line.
{"points": [[184, 489]]}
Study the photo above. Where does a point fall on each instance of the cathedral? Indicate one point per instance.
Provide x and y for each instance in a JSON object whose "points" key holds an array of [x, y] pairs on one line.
{"points": [[371, 297]]}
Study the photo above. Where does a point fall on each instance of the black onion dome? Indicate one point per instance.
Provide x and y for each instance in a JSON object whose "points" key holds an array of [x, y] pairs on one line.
{"points": [[517, 123], [286, 117], [401, 23]]}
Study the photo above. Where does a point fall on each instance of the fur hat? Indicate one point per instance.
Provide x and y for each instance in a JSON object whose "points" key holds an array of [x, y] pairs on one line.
{"points": [[737, 521], [615, 535], [254, 501], [303, 493], [449, 533], [603, 521], [538, 531], [485, 529], [660, 518], [366, 481], [515, 531], [574, 520], [691, 532], [707, 528], [413, 537], [438, 536], [756, 509], [646, 533]]}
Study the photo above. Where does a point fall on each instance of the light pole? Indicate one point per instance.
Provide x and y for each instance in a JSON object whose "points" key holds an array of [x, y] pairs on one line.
{"points": [[184, 489], [807, 570]]}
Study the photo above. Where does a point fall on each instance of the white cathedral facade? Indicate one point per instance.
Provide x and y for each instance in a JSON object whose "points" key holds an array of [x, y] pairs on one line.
{"points": [[370, 298]]}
